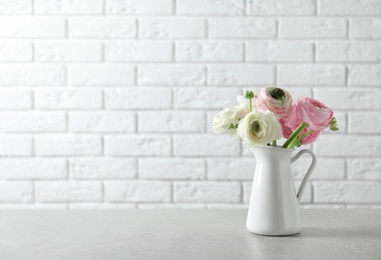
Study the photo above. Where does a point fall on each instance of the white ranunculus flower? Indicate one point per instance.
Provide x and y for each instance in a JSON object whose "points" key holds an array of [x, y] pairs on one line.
{"points": [[259, 128], [231, 115]]}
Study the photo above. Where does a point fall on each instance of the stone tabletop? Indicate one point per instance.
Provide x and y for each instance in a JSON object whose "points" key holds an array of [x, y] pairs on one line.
{"points": [[184, 234]]}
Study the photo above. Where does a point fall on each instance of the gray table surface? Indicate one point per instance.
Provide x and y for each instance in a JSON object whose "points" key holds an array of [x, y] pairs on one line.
{"points": [[184, 234]]}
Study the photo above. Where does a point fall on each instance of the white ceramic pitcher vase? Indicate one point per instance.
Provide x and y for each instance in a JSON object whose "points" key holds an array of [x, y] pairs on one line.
{"points": [[274, 204]]}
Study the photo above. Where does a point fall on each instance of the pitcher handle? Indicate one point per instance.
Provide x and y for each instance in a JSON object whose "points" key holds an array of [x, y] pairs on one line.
{"points": [[309, 171]]}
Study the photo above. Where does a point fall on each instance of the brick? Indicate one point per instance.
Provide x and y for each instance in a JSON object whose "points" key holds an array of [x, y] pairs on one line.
{"points": [[347, 192], [15, 145], [326, 168], [150, 7], [209, 51], [368, 74], [171, 206], [172, 168], [364, 206], [171, 27], [361, 51], [93, 206], [205, 145], [227, 206], [348, 145], [139, 51], [206, 98], [137, 191], [350, 98], [213, 192], [16, 192], [138, 98], [365, 28], [173, 121], [102, 27], [100, 74], [32, 27], [16, 7], [349, 7], [324, 206], [240, 74], [279, 51], [209, 120], [311, 74], [364, 169], [306, 197], [33, 206], [242, 27], [134, 145], [171, 74], [70, 98], [101, 121], [102, 168], [365, 122], [210, 7], [33, 168], [231, 169], [329, 169], [67, 145], [59, 51], [15, 51], [32, 75], [15, 98], [32, 121], [312, 27], [68, 6], [280, 7], [68, 191]]}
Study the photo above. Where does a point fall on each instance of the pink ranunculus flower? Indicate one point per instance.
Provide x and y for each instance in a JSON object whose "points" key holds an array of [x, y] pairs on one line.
{"points": [[311, 111], [278, 101], [288, 129], [311, 137]]}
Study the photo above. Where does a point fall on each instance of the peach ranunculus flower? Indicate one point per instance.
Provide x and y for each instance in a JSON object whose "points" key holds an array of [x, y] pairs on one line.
{"points": [[276, 100]]}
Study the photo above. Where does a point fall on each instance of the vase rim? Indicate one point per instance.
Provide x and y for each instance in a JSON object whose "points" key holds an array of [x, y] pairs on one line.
{"points": [[277, 148]]}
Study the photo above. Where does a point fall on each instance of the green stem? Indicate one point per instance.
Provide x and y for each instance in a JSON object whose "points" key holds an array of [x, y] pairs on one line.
{"points": [[274, 143], [297, 140], [295, 134], [251, 105], [304, 135]]}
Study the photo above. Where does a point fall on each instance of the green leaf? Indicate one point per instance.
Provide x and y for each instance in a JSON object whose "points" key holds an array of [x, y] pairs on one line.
{"points": [[233, 126]]}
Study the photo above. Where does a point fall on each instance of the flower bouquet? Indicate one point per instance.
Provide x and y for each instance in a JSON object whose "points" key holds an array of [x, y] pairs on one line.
{"points": [[260, 120]]}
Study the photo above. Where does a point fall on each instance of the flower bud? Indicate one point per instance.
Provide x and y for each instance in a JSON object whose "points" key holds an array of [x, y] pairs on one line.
{"points": [[333, 124], [248, 94]]}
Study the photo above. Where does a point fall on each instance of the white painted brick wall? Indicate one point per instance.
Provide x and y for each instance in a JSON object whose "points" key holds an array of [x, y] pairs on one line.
{"points": [[60, 51], [148, 7], [33, 168], [107, 104], [139, 51], [104, 168]]}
